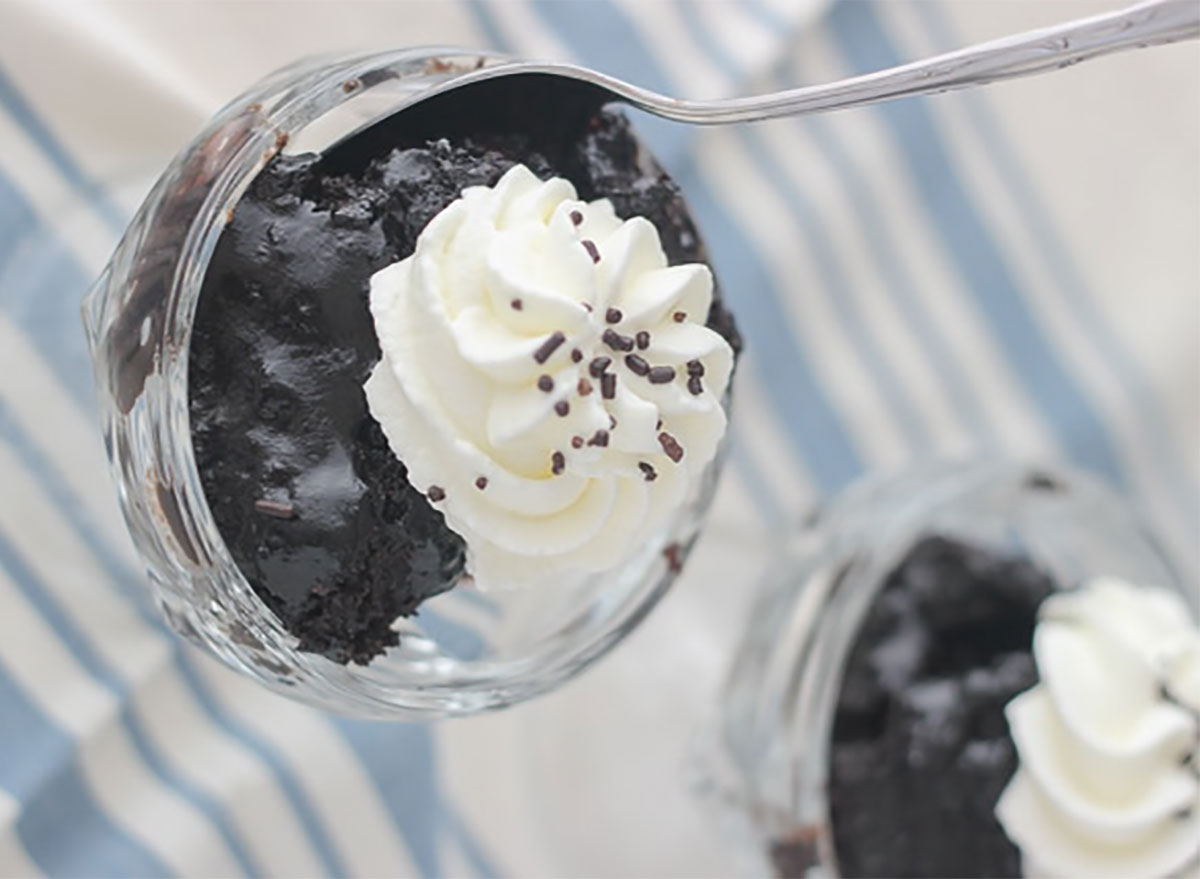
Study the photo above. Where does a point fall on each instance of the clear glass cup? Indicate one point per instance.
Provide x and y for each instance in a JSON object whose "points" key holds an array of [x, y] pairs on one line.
{"points": [[466, 651], [764, 765]]}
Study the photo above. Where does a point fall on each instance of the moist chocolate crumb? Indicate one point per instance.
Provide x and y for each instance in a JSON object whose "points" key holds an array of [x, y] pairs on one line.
{"points": [[921, 749]]}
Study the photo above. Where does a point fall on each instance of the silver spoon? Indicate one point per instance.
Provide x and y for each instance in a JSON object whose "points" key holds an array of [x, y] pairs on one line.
{"points": [[1147, 24]]}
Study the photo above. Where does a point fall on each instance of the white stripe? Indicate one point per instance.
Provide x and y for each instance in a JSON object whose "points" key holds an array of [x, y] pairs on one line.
{"points": [[161, 820], [525, 32], [748, 44], [1085, 363], [39, 402], [691, 73], [762, 212], [869, 147], [333, 780], [56, 202], [15, 862], [793, 485]]}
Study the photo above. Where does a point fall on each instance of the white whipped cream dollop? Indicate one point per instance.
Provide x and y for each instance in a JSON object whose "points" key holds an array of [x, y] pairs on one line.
{"points": [[547, 378], [1109, 776]]}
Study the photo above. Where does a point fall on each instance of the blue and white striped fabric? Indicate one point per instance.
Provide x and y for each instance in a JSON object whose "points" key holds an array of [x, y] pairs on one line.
{"points": [[1016, 270]]}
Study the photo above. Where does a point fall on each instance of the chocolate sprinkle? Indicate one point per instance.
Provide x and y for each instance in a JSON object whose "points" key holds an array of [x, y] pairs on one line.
{"points": [[608, 386], [695, 386], [577, 442], [648, 470], [545, 383], [557, 463], [584, 387], [612, 422], [637, 364], [598, 365], [590, 247], [599, 438], [613, 315], [680, 316], [481, 483], [671, 446], [436, 493], [587, 306], [548, 347], [561, 408], [576, 217], [517, 304], [275, 509], [616, 341], [576, 355], [642, 339], [674, 554], [695, 367], [661, 375]]}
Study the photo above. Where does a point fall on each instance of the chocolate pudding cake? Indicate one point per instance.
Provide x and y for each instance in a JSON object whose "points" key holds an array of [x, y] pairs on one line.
{"points": [[921, 750], [317, 508]]}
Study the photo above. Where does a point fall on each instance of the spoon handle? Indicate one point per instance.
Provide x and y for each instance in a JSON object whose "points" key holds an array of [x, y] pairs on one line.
{"points": [[1146, 24]]}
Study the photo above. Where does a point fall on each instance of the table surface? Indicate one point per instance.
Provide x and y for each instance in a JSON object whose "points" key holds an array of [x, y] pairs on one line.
{"points": [[1013, 271]]}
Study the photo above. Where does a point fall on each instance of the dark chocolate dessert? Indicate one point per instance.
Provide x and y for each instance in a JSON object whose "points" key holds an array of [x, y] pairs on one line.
{"points": [[921, 750], [316, 509]]}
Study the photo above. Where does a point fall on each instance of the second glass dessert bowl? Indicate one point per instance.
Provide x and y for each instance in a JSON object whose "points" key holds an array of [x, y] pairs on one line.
{"points": [[465, 650]]}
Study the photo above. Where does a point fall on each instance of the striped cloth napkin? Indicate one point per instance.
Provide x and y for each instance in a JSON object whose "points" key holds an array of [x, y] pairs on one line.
{"points": [[1014, 270]]}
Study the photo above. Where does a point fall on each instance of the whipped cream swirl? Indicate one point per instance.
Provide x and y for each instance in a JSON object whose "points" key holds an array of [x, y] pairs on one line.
{"points": [[547, 378], [1109, 776]]}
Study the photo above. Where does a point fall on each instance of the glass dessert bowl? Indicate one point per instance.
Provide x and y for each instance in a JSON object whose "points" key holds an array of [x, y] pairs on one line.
{"points": [[888, 705], [324, 533]]}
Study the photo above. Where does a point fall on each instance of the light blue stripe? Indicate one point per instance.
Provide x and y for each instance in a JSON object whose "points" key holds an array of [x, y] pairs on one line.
{"points": [[751, 474], [1140, 392], [74, 640], [592, 30], [23, 114], [61, 826], [977, 258]]}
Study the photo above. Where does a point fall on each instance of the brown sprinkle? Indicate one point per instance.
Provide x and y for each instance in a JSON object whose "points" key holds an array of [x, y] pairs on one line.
{"points": [[599, 438], [576, 355], [561, 408], [584, 387], [648, 471], [557, 463], [695, 386], [674, 554], [613, 315], [671, 447], [577, 442], [612, 422], [275, 509], [616, 341], [598, 365], [637, 364], [548, 347], [481, 483], [661, 375], [642, 339], [608, 386], [658, 425], [695, 367], [590, 247], [576, 217], [587, 306], [545, 383], [436, 493], [517, 304], [680, 316]]}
